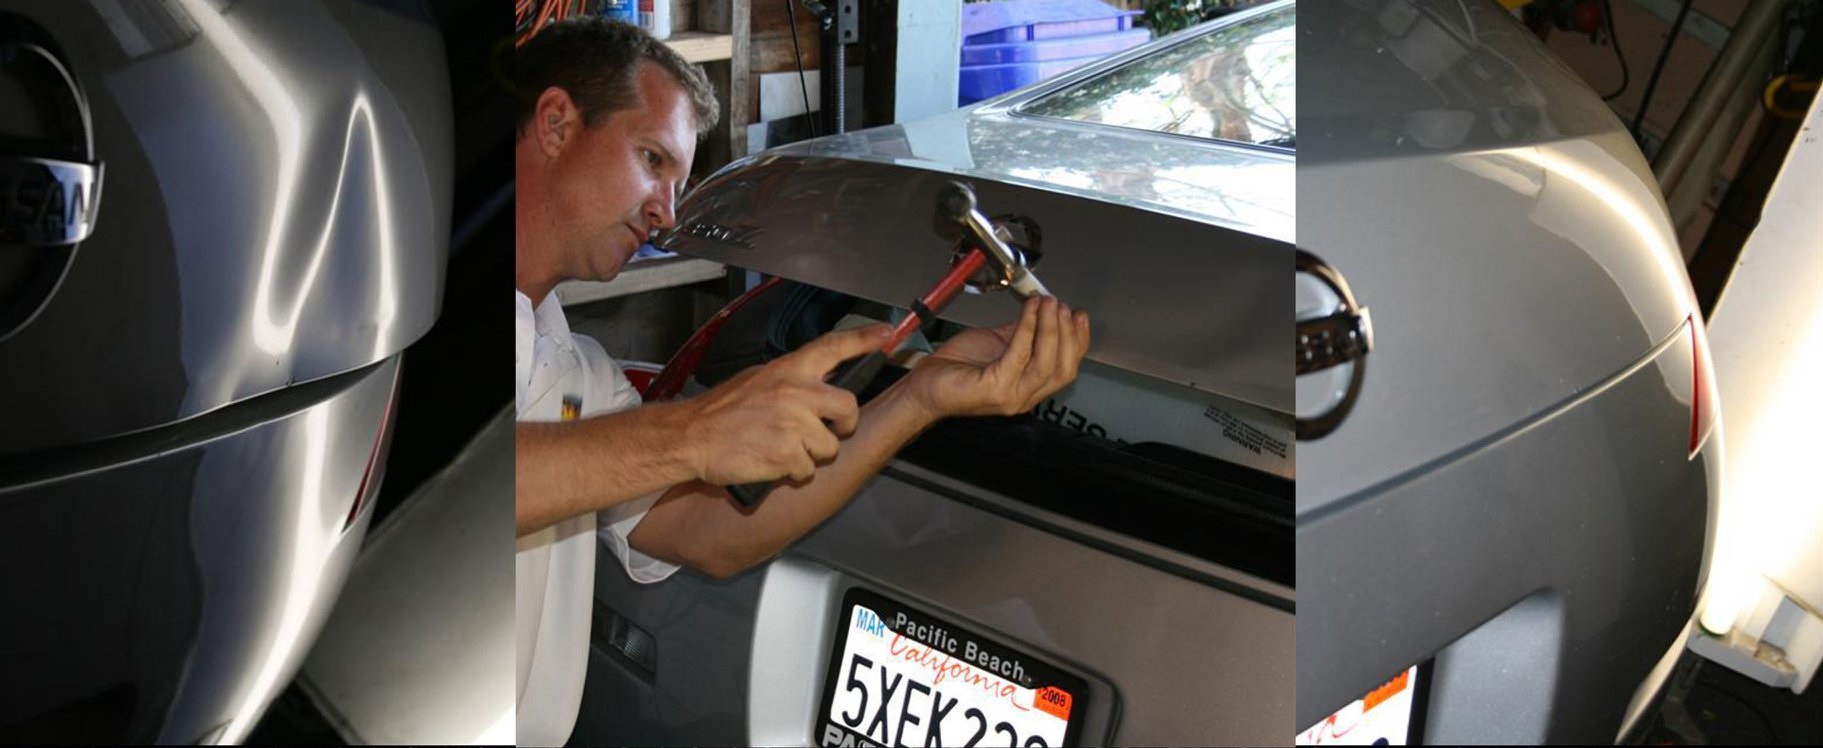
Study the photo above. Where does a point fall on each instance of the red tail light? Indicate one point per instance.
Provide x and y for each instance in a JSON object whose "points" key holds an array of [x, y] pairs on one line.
{"points": [[1704, 410], [373, 456], [683, 363]]}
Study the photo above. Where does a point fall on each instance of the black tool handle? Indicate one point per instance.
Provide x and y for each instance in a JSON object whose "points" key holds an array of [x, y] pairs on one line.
{"points": [[853, 376]]}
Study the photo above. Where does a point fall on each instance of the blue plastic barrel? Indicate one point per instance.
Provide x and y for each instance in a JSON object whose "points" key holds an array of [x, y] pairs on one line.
{"points": [[1015, 43], [984, 81], [621, 10], [1097, 45], [1029, 20]]}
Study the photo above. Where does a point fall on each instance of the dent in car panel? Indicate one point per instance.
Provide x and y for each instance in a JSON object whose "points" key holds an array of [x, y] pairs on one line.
{"points": [[277, 213]]}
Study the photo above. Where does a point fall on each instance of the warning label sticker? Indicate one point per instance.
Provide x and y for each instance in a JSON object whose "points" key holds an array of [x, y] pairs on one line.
{"points": [[1245, 434]]}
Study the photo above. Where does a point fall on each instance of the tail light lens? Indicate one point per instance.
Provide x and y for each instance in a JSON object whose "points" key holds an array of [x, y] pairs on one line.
{"points": [[368, 477], [1704, 409], [677, 371]]}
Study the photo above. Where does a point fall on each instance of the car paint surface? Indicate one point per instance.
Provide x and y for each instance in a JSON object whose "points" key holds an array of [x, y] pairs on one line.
{"points": [[193, 414], [1146, 278], [275, 209], [1507, 270], [165, 585], [1512, 493], [1547, 571], [741, 657]]}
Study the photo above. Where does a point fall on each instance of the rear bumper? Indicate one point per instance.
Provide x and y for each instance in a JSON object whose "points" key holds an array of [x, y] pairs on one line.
{"points": [[163, 586], [743, 660]]}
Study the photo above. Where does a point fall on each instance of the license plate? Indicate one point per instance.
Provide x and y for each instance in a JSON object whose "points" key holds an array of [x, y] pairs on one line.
{"points": [[1382, 717], [898, 676]]}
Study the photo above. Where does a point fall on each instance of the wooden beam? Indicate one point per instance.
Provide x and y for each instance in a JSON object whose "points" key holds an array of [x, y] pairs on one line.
{"points": [[701, 46]]}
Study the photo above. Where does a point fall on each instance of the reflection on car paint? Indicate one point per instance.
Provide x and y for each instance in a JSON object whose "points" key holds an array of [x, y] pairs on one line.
{"points": [[1236, 84]]}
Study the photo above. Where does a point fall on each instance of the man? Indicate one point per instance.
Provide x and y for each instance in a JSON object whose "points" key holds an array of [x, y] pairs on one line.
{"points": [[607, 129]]}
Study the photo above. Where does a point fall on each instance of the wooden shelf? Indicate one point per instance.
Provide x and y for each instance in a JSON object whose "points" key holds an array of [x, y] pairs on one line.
{"points": [[641, 276], [701, 46]]}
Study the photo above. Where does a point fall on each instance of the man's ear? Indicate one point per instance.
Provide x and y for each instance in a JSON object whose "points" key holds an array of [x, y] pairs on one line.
{"points": [[554, 120]]}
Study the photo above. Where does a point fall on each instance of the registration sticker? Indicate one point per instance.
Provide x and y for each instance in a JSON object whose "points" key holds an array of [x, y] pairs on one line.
{"points": [[900, 677], [1382, 717]]}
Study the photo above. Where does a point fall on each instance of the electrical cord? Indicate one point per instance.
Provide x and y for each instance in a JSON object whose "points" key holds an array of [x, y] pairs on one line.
{"points": [[798, 55], [1664, 53], [1607, 14]]}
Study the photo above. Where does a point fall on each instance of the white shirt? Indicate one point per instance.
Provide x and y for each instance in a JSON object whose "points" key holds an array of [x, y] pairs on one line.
{"points": [[555, 567]]}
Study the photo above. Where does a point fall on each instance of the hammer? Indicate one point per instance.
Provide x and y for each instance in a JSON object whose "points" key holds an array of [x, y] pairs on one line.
{"points": [[956, 218]]}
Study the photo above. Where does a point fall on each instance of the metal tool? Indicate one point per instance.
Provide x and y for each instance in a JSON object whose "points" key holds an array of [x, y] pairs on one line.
{"points": [[957, 204], [981, 248]]}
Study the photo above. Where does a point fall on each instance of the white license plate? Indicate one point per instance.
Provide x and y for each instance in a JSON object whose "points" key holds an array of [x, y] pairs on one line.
{"points": [[899, 677], [1382, 717]]}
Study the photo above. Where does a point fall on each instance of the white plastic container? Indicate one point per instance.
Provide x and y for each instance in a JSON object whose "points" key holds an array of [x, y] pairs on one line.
{"points": [[655, 18]]}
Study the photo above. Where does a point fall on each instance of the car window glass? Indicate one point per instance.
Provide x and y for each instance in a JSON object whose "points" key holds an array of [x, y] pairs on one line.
{"points": [[1237, 83]]}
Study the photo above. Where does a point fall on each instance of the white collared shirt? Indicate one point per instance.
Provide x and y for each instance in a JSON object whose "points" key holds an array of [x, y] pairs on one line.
{"points": [[555, 567]]}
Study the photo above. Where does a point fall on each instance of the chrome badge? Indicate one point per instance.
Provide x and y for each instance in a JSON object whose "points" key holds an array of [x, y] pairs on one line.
{"points": [[50, 176], [50, 182], [47, 202]]}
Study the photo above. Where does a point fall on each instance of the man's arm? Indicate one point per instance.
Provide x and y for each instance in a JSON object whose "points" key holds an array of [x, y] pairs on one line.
{"points": [[765, 423], [1002, 371], [561, 470], [699, 525]]}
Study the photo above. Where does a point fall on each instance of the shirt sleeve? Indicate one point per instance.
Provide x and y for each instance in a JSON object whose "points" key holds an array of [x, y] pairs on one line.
{"points": [[611, 391], [616, 523]]}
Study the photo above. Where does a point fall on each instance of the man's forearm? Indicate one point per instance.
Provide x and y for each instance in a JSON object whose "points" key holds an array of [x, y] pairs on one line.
{"points": [[565, 469], [698, 525]]}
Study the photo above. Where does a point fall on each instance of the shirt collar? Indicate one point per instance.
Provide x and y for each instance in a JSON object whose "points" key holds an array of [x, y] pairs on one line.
{"points": [[550, 320], [523, 338], [530, 324]]}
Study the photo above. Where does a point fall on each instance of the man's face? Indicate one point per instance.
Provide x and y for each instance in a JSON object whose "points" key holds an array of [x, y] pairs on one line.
{"points": [[617, 182]]}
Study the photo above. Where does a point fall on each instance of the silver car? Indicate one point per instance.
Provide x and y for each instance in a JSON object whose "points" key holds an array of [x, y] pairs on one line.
{"points": [[223, 222], [1116, 566], [1509, 458]]}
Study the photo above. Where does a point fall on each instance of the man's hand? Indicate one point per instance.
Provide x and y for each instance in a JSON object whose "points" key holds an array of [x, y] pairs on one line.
{"points": [[768, 422], [1003, 370]]}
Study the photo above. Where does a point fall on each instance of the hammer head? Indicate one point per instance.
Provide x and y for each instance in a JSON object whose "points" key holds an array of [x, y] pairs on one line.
{"points": [[956, 218], [955, 202], [949, 219]]}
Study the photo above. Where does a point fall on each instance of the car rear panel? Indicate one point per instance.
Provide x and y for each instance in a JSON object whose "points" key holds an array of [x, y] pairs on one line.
{"points": [[1384, 78], [1512, 496], [1150, 629], [163, 586], [1490, 212], [1548, 569], [1175, 299], [1501, 283]]}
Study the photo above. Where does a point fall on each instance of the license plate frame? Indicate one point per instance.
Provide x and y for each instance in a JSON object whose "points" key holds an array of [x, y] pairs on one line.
{"points": [[1414, 692], [945, 645]]}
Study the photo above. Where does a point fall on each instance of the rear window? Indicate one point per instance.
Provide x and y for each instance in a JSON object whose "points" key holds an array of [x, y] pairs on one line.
{"points": [[1237, 83]]}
